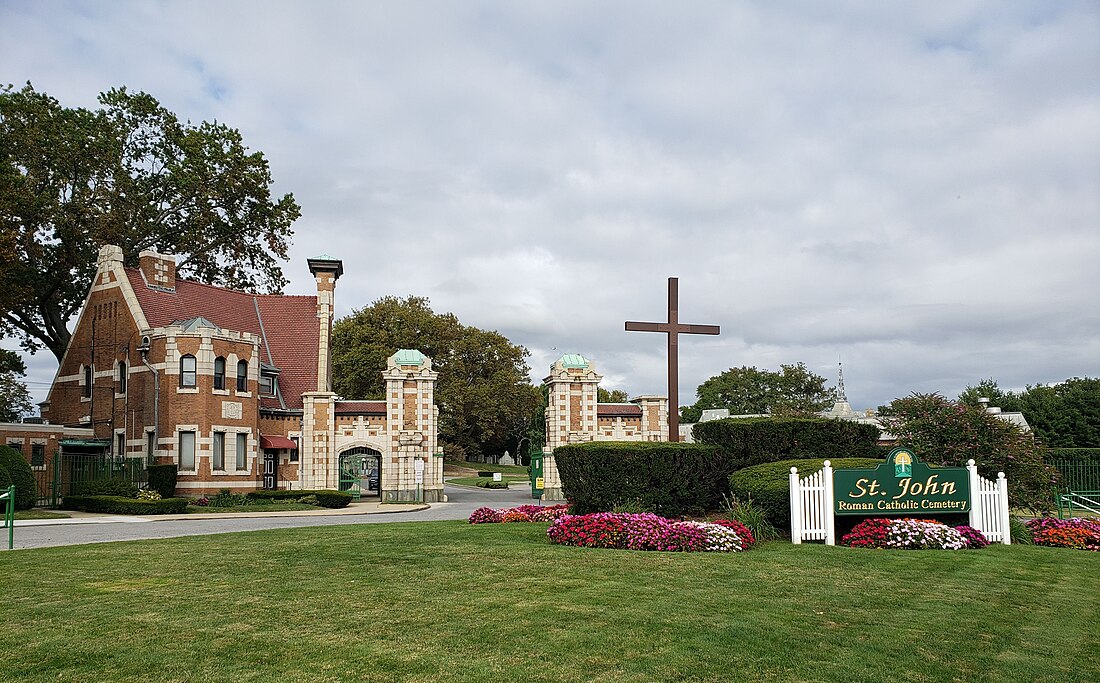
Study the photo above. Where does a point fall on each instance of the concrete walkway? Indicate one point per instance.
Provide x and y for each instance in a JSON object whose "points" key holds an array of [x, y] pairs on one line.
{"points": [[91, 528]]}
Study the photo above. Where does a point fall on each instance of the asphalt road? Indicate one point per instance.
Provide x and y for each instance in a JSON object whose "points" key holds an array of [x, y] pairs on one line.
{"points": [[461, 502]]}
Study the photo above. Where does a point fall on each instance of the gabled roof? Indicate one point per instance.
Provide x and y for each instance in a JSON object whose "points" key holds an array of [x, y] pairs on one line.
{"points": [[286, 325]]}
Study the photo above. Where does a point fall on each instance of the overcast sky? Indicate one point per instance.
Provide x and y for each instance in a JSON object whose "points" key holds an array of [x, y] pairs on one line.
{"points": [[914, 190]]}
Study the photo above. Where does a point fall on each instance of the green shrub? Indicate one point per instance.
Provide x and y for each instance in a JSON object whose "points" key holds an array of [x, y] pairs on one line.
{"points": [[311, 499], [769, 484], [757, 440], [1073, 455], [671, 479], [225, 498], [634, 506], [118, 505], [1019, 532], [753, 516], [162, 479], [5, 482], [328, 499], [20, 473], [490, 484], [122, 488]]}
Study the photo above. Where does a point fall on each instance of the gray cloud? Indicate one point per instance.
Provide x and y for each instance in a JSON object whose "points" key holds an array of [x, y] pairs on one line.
{"points": [[914, 189]]}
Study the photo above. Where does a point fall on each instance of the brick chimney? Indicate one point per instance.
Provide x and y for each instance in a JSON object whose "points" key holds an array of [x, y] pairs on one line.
{"points": [[326, 270], [159, 269]]}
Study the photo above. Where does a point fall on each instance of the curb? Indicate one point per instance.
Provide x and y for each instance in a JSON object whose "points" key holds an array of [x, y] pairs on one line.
{"points": [[91, 518]]}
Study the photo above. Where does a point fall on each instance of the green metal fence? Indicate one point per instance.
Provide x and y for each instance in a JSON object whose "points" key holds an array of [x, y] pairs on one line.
{"points": [[8, 500], [1077, 475], [1079, 488], [73, 471]]}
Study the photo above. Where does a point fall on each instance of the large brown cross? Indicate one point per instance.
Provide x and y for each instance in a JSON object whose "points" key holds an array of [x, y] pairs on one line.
{"points": [[672, 328]]}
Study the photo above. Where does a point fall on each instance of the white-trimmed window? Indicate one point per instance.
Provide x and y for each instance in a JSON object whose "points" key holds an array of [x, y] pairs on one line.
{"points": [[297, 445], [122, 377], [267, 385], [88, 381], [150, 445], [219, 373], [188, 371], [187, 451], [120, 444], [242, 375], [38, 455], [219, 451], [242, 450]]}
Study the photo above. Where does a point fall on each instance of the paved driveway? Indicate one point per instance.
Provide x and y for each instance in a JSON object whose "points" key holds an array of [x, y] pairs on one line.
{"points": [[461, 502]]}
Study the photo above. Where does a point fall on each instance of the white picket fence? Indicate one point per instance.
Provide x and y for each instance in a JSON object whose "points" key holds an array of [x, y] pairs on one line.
{"points": [[813, 517]]}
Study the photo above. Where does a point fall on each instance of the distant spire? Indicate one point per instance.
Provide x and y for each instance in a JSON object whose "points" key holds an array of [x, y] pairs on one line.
{"points": [[840, 396]]}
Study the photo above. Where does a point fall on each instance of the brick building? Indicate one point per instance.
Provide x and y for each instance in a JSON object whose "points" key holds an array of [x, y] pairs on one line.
{"points": [[236, 388], [574, 415]]}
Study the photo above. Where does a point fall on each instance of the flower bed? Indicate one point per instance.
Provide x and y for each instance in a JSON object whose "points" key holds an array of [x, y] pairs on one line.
{"points": [[523, 513], [1079, 533], [645, 531], [912, 534]]}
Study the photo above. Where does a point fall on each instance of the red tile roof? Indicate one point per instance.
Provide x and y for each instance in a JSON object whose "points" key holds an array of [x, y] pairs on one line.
{"points": [[287, 326], [617, 409], [360, 408]]}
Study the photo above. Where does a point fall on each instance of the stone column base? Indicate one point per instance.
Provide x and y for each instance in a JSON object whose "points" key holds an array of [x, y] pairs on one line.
{"points": [[552, 494], [412, 496]]}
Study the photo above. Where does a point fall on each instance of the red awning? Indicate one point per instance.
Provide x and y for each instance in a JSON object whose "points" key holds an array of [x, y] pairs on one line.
{"points": [[276, 442]]}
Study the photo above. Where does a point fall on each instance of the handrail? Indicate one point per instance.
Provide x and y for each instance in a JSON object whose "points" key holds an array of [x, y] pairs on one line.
{"points": [[9, 514], [1085, 500]]}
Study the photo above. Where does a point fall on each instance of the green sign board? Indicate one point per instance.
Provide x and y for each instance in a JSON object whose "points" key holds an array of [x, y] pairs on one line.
{"points": [[901, 485]]}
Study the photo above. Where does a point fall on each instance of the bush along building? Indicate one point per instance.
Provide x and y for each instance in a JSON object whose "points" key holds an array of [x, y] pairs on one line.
{"points": [[236, 388], [573, 415]]}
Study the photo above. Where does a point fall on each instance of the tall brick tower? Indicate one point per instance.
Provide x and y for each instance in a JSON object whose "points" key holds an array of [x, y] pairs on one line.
{"points": [[318, 418]]}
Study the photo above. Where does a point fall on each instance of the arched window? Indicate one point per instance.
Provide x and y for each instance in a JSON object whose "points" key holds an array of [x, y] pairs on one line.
{"points": [[188, 374], [88, 382], [242, 375], [122, 377], [219, 373]]}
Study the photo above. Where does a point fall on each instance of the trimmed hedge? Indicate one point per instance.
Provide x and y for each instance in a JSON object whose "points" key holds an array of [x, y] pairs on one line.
{"points": [[162, 479], [118, 505], [326, 499], [670, 479], [119, 488], [757, 440], [769, 484], [20, 473], [1074, 455], [5, 482]]}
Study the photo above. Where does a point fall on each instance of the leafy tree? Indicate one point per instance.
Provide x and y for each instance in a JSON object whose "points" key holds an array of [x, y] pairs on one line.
{"points": [[945, 432], [794, 390], [986, 388], [1065, 415], [15, 400], [486, 401], [130, 174], [613, 396]]}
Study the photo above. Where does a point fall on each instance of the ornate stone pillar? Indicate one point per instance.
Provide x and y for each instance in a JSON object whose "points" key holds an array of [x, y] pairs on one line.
{"points": [[414, 470], [570, 413]]}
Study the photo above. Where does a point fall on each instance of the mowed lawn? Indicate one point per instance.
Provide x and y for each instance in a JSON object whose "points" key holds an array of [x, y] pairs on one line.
{"points": [[447, 601]]}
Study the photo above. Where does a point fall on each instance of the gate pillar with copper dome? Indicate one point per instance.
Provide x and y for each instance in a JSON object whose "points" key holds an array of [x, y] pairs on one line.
{"points": [[412, 470]]}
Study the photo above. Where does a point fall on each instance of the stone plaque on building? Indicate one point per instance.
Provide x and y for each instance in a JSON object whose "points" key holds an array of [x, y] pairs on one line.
{"points": [[232, 410]]}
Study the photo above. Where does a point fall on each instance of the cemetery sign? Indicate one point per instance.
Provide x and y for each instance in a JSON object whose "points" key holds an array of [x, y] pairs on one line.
{"points": [[901, 485]]}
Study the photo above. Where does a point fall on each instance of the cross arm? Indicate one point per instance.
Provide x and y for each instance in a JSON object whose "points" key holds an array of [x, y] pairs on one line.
{"points": [[646, 327]]}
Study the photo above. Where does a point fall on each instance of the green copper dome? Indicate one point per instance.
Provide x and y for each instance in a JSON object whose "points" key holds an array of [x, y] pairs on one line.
{"points": [[409, 357], [573, 360]]}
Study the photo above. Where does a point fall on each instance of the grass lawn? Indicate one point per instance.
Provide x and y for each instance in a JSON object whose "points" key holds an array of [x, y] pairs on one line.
{"points": [[519, 470], [448, 601], [39, 513]]}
